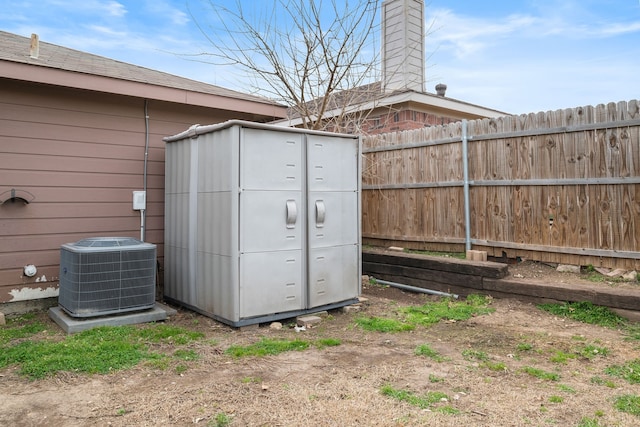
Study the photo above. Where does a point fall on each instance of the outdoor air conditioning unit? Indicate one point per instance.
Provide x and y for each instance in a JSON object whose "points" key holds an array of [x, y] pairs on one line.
{"points": [[107, 275]]}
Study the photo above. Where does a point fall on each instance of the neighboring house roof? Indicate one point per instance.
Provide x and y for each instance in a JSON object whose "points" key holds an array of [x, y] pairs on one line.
{"points": [[54, 64], [370, 97]]}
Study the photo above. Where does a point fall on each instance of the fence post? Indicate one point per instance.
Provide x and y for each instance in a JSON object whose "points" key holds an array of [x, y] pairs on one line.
{"points": [[465, 172]]}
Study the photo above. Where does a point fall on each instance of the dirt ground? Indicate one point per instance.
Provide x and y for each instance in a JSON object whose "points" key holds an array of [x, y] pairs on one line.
{"points": [[341, 386]]}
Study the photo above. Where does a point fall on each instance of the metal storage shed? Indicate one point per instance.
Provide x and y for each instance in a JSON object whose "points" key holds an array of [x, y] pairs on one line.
{"points": [[261, 222]]}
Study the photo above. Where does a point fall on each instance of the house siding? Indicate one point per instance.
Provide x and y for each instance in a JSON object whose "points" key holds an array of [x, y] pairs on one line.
{"points": [[80, 154]]}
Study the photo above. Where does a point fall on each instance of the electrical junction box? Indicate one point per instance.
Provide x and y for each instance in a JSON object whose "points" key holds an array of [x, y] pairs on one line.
{"points": [[139, 200]]}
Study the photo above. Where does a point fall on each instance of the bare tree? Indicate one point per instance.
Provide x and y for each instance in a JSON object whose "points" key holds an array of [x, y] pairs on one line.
{"points": [[316, 56]]}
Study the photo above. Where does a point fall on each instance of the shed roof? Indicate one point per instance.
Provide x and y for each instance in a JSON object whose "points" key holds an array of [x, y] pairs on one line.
{"points": [[15, 50]]}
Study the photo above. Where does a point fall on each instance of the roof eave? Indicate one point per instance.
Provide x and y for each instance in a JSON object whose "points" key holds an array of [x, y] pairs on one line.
{"points": [[57, 77]]}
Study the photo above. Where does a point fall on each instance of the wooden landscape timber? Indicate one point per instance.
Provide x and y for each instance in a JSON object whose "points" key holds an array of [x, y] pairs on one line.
{"points": [[464, 277], [560, 186]]}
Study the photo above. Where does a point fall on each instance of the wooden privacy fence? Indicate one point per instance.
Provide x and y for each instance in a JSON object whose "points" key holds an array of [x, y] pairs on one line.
{"points": [[560, 186]]}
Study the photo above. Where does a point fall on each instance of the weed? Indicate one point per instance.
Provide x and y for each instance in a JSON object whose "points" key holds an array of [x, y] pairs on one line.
{"points": [[253, 380], [585, 312], [381, 324], [540, 374], [266, 347], [435, 379], [182, 368], [630, 371], [629, 403], [220, 420], [427, 351], [475, 355], [524, 347]]}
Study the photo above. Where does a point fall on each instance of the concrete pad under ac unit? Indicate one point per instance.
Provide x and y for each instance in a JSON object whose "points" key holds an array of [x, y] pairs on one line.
{"points": [[72, 325]]}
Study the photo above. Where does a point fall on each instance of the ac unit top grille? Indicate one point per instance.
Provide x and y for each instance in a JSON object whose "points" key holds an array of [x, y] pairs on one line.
{"points": [[106, 275]]}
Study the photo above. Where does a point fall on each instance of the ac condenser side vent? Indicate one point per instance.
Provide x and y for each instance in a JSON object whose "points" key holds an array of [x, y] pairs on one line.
{"points": [[107, 275]]}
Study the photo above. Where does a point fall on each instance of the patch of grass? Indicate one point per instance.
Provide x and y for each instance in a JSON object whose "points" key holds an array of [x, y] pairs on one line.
{"points": [[435, 379], [97, 351], [447, 309], [565, 388], [426, 351], [471, 354], [181, 368], [495, 366], [424, 401], [266, 347], [168, 334], [327, 342], [524, 347], [540, 374], [187, 355], [561, 357], [600, 381], [632, 332], [556, 399], [457, 255], [428, 314], [628, 403], [383, 324], [448, 409], [589, 422], [585, 312], [20, 327], [590, 351], [630, 371]]}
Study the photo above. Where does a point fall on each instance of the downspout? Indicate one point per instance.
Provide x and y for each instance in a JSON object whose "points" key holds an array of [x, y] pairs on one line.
{"points": [[465, 167], [143, 212]]}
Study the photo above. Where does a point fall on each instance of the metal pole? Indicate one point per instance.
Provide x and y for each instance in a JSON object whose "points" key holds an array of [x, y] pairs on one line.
{"points": [[415, 288]]}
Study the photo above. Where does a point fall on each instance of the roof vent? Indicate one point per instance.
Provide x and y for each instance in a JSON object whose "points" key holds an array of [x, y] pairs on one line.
{"points": [[34, 49], [441, 89]]}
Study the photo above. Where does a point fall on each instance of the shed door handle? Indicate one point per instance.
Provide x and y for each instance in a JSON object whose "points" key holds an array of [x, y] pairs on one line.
{"points": [[320, 213], [292, 213]]}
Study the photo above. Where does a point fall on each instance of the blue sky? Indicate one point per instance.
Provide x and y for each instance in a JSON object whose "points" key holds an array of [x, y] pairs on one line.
{"points": [[513, 56]]}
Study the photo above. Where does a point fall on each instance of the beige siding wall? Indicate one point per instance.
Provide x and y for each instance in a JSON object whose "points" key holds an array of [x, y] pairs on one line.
{"points": [[80, 154]]}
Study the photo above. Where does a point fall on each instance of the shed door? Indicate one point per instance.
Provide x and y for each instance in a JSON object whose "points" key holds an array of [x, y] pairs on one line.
{"points": [[272, 222], [333, 225]]}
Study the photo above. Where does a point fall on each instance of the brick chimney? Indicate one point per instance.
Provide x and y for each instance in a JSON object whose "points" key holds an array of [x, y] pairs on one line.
{"points": [[403, 57]]}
